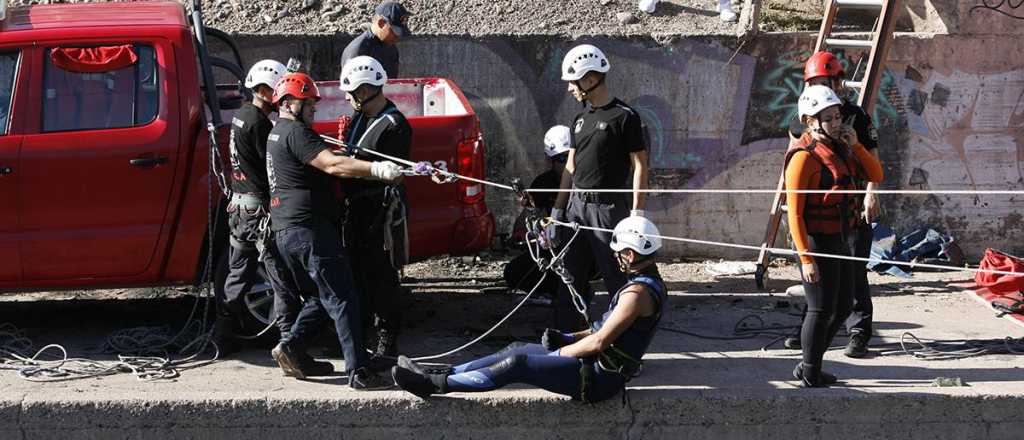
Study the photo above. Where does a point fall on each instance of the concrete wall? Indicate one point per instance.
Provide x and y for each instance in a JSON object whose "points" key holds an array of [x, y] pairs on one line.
{"points": [[950, 116]]}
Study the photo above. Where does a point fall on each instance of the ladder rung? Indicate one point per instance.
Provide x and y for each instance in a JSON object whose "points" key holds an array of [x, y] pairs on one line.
{"points": [[859, 4], [852, 84], [842, 42]]}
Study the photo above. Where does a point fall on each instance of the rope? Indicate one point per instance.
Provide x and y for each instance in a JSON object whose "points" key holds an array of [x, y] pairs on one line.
{"points": [[964, 192], [409, 163], [958, 349], [782, 251]]}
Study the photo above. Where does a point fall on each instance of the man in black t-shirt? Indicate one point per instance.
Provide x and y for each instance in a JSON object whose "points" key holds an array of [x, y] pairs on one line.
{"points": [[386, 28], [823, 68], [609, 151], [247, 217], [375, 228], [305, 217]]}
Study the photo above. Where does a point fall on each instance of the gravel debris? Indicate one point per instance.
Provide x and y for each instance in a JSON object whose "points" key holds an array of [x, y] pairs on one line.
{"points": [[565, 18]]}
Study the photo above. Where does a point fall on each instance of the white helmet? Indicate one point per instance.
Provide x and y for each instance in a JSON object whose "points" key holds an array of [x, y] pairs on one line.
{"points": [[557, 141], [814, 99], [582, 59], [266, 72], [636, 233], [362, 70]]}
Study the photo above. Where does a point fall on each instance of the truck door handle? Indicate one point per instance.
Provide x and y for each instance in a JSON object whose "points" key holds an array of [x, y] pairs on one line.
{"points": [[5, 170], [148, 161]]}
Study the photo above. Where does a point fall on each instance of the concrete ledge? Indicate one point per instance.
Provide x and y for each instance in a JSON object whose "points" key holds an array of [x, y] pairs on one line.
{"points": [[694, 415]]}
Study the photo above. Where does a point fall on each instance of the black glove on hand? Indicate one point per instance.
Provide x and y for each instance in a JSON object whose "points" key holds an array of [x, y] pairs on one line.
{"points": [[553, 339]]}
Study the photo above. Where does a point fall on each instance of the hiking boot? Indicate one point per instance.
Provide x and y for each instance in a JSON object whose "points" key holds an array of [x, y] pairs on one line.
{"points": [[364, 379], [224, 330], [812, 377], [792, 343], [313, 367], [288, 360], [857, 347], [412, 377]]}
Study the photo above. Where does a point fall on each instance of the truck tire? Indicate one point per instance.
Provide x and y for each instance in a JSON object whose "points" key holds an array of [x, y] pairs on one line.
{"points": [[259, 303]]}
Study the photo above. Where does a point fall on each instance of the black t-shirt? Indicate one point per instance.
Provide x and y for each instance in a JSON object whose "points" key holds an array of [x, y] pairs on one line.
{"points": [[603, 138], [299, 192], [546, 180], [248, 145], [369, 45], [866, 132], [395, 141]]}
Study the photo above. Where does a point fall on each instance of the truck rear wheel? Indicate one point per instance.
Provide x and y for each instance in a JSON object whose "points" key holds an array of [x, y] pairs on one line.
{"points": [[259, 303]]}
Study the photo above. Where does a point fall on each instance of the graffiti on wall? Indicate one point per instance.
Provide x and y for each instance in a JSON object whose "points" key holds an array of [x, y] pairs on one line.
{"points": [[1009, 8], [784, 81]]}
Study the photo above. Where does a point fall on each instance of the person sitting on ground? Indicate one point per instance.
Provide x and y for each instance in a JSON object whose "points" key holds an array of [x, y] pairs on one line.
{"points": [[591, 365], [521, 272]]}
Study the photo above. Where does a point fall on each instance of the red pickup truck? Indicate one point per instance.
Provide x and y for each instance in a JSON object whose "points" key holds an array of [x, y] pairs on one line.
{"points": [[104, 152]]}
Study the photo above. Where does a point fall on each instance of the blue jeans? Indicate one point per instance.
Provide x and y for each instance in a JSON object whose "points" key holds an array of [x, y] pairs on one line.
{"points": [[533, 365], [320, 269]]}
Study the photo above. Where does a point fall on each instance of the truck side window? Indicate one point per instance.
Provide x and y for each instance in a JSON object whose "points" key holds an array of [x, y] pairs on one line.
{"points": [[8, 72], [124, 97]]}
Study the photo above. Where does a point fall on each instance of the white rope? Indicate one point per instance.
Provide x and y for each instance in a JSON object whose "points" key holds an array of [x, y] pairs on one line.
{"points": [[410, 163], [811, 254], [796, 191]]}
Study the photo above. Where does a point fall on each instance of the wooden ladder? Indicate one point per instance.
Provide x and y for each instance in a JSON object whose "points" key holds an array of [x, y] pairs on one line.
{"points": [[866, 86]]}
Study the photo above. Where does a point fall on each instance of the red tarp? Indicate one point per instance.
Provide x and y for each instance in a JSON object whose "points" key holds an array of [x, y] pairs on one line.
{"points": [[94, 59]]}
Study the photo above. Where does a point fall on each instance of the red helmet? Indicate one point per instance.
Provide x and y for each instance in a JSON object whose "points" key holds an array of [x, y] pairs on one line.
{"points": [[823, 64], [296, 84]]}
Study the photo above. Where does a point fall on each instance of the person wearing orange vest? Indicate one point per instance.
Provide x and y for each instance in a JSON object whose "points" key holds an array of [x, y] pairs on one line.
{"points": [[823, 68], [827, 156]]}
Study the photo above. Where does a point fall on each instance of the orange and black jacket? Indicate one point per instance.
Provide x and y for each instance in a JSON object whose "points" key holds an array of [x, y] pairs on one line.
{"points": [[812, 164]]}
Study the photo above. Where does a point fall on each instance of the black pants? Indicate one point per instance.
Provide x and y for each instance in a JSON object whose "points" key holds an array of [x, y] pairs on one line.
{"points": [[320, 269], [860, 319], [522, 273], [829, 300], [376, 277], [246, 273], [590, 249]]}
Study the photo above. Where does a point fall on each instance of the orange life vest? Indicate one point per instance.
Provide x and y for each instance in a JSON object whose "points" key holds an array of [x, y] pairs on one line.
{"points": [[829, 213]]}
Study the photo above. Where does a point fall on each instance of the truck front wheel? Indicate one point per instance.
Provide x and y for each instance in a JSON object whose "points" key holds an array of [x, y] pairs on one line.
{"points": [[258, 301]]}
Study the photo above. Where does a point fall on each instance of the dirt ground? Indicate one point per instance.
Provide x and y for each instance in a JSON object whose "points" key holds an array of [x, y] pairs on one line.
{"points": [[498, 17]]}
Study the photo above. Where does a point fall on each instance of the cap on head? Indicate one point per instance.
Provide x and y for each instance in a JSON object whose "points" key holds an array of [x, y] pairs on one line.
{"points": [[297, 85], [583, 59], [396, 15], [814, 99], [265, 72], [362, 70], [557, 141], [636, 233], [823, 64]]}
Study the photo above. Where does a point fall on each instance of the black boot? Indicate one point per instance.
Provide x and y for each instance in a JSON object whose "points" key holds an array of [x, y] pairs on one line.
{"points": [[313, 367], [413, 378], [811, 376], [224, 330]]}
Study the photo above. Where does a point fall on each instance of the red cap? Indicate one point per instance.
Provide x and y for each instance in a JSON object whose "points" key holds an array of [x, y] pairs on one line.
{"points": [[296, 84], [823, 64]]}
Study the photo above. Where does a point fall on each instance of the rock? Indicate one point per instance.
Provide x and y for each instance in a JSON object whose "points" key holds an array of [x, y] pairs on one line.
{"points": [[606, 2], [282, 14], [267, 18], [309, 4], [625, 18]]}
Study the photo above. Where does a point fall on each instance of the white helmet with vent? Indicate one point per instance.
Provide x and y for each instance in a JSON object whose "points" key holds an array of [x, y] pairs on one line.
{"points": [[582, 59], [636, 233], [362, 70]]}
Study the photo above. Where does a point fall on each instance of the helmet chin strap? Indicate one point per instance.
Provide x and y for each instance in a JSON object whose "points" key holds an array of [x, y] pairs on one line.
{"points": [[585, 92], [359, 103], [297, 115], [627, 267]]}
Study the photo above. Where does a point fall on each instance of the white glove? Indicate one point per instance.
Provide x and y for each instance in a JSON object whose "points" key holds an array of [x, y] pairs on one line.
{"points": [[386, 171], [637, 213]]}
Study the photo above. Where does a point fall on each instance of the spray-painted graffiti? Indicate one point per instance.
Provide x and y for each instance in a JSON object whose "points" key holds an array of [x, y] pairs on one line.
{"points": [[785, 81], [1010, 9]]}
